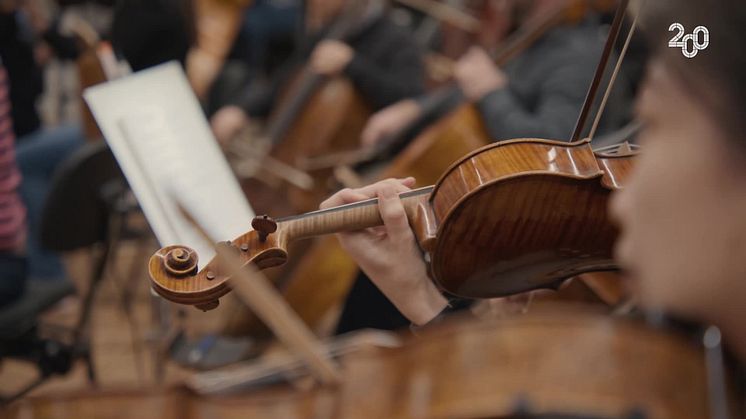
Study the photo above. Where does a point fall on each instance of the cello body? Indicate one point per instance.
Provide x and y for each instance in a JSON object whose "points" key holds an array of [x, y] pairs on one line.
{"points": [[438, 147], [331, 121]]}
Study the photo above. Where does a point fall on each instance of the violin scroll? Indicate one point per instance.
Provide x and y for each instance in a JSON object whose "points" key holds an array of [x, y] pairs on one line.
{"points": [[176, 276], [181, 261]]}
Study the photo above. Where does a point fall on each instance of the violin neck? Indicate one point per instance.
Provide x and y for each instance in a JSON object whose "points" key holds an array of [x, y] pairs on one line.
{"points": [[345, 218]]}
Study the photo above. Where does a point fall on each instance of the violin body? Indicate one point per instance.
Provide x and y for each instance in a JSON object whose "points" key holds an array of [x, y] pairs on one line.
{"points": [[520, 215], [562, 361], [507, 218]]}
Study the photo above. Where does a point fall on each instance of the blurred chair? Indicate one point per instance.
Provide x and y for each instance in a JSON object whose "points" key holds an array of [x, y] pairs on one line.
{"points": [[88, 207]]}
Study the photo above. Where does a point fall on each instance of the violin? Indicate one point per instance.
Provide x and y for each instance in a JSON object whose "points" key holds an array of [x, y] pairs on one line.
{"points": [[555, 362], [510, 217]]}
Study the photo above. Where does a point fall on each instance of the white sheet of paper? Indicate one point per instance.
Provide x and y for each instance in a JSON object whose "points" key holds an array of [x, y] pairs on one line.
{"points": [[156, 129]]}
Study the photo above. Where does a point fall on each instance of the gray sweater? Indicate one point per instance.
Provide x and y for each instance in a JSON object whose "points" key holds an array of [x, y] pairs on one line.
{"points": [[547, 86]]}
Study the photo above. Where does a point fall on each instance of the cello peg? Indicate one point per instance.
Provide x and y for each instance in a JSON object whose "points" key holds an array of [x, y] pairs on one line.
{"points": [[264, 225]]}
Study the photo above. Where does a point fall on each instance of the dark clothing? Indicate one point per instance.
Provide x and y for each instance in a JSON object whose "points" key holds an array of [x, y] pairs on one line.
{"points": [[17, 54], [367, 308], [387, 67], [268, 34], [12, 211], [151, 32], [64, 47], [547, 87]]}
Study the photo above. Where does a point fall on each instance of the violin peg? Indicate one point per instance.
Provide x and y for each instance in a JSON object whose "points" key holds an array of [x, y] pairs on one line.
{"points": [[208, 306], [264, 225]]}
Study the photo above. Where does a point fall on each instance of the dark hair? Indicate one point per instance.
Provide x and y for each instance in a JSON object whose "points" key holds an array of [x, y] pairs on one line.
{"points": [[716, 76]]}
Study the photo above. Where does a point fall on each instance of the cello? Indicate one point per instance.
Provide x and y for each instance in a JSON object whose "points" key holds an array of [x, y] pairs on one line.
{"points": [[461, 128], [315, 115]]}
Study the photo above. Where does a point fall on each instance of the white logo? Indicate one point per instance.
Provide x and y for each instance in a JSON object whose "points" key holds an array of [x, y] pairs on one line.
{"points": [[682, 41]]}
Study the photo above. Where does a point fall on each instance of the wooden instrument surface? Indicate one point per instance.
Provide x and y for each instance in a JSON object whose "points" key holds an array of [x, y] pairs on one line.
{"points": [[436, 149], [331, 121], [555, 360], [541, 213]]}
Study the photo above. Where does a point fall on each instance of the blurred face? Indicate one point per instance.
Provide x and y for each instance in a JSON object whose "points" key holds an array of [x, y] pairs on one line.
{"points": [[683, 215]]}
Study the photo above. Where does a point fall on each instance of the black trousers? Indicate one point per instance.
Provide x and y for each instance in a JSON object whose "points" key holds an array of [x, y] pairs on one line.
{"points": [[367, 307]]}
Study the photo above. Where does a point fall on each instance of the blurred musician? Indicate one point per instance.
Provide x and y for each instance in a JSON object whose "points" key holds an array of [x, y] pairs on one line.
{"points": [[538, 94], [381, 59], [682, 215]]}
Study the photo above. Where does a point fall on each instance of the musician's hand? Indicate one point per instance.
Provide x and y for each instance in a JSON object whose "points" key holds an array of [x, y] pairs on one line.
{"points": [[227, 122], [389, 254], [389, 121], [331, 57], [477, 75]]}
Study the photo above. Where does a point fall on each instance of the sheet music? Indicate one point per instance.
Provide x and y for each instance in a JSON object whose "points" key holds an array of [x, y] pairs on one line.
{"points": [[156, 129]]}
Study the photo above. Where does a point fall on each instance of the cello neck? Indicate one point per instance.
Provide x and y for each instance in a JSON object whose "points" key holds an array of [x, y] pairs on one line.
{"points": [[355, 18], [350, 217], [451, 95], [529, 33]]}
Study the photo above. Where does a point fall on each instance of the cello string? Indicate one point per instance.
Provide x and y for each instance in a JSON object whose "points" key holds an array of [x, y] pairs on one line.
{"points": [[614, 75]]}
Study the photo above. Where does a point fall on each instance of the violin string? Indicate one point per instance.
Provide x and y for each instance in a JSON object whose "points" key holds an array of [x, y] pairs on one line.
{"points": [[359, 204], [614, 75]]}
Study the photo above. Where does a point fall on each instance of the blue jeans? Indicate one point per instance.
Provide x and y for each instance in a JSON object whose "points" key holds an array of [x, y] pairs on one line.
{"points": [[38, 155]]}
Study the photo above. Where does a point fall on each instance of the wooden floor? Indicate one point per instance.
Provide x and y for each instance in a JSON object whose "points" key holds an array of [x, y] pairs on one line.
{"points": [[124, 347]]}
